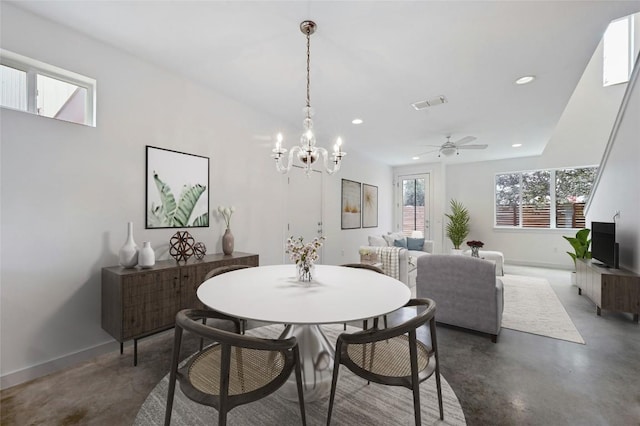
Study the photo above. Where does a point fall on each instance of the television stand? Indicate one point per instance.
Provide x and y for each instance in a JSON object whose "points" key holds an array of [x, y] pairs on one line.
{"points": [[610, 289]]}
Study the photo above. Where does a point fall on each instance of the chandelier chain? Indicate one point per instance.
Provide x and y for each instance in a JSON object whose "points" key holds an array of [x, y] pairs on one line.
{"points": [[308, 71]]}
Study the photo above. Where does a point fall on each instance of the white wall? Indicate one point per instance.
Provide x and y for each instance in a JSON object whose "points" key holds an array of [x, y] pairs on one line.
{"points": [[342, 246], [618, 187], [68, 190], [579, 139]]}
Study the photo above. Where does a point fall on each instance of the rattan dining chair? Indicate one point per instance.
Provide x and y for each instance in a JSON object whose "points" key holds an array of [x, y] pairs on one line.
{"points": [[393, 356], [236, 370], [371, 268], [222, 270]]}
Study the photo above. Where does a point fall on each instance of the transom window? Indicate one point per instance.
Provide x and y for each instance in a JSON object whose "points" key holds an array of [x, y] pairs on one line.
{"points": [[618, 52], [548, 199], [33, 86]]}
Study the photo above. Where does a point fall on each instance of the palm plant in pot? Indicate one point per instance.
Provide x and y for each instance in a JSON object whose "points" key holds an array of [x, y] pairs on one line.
{"points": [[580, 244], [458, 225]]}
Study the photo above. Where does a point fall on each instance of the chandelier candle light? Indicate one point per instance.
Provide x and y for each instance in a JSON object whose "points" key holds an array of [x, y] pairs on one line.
{"points": [[307, 152]]}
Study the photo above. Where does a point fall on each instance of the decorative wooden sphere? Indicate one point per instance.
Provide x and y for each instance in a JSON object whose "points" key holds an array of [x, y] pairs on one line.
{"points": [[181, 246], [199, 250]]}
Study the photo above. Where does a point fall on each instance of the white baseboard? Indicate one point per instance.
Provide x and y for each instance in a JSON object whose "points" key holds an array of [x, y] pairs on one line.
{"points": [[30, 373], [537, 264]]}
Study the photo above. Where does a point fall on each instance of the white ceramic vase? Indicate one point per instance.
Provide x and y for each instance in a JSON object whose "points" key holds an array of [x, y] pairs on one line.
{"points": [[457, 252], [129, 252], [147, 257]]}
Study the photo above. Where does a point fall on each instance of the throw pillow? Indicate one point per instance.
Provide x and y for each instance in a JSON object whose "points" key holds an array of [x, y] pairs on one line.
{"points": [[400, 243], [415, 243], [392, 236], [376, 241]]}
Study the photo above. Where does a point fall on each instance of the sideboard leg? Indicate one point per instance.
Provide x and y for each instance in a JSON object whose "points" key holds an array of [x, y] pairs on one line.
{"points": [[635, 318], [135, 352], [579, 291], [121, 348], [598, 310]]}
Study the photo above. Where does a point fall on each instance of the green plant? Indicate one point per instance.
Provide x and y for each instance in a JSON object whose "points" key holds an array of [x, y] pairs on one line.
{"points": [[458, 226], [172, 214], [580, 244]]}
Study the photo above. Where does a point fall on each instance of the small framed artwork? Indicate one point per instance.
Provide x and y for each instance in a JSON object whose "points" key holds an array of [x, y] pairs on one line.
{"points": [[369, 206], [351, 204], [177, 189]]}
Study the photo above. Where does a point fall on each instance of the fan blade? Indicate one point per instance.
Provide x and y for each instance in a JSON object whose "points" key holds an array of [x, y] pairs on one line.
{"points": [[473, 146], [465, 140], [427, 152]]}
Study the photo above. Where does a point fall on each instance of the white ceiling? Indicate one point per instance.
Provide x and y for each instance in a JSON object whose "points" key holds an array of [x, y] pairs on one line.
{"points": [[371, 60]]}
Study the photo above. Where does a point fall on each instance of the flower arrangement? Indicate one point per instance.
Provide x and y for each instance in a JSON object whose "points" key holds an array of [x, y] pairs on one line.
{"points": [[226, 213], [304, 254], [475, 247], [474, 243]]}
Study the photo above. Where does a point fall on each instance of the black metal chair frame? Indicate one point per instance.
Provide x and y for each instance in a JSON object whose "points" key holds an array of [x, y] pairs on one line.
{"points": [[188, 320], [375, 335]]}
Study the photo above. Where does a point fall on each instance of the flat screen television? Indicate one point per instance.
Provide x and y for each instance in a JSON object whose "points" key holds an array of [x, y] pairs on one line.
{"points": [[603, 243]]}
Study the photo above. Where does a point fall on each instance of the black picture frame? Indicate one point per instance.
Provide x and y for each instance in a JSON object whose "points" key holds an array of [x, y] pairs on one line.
{"points": [[351, 205], [167, 174]]}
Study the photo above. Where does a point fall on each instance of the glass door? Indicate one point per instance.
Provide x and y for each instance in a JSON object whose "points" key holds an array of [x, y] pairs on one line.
{"points": [[413, 206]]}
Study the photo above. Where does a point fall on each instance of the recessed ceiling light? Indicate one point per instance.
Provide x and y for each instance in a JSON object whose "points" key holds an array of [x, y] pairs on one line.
{"points": [[357, 121], [525, 79], [516, 145], [415, 158]]}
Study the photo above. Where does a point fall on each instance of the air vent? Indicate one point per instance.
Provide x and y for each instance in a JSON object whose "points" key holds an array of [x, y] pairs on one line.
{"points": [[429, 103]]}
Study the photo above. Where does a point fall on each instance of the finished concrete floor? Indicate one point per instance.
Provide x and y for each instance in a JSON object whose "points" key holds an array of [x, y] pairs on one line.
{"points": [[524, 379]]}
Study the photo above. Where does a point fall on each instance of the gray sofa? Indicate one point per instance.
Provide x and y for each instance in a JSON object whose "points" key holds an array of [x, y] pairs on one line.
{"points": [[465, 289]]}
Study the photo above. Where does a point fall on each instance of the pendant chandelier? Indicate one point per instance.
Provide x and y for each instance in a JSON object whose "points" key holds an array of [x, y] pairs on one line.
{"points": [[307, 152]]}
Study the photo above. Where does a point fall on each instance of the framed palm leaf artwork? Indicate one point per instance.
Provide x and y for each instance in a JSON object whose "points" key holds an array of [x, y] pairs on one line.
{"points": [[177, 189]]}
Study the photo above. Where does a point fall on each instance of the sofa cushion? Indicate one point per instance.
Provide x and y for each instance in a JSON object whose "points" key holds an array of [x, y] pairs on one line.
{"points": [[377, 241], [400, 243], [392, 236], [415, 243]]}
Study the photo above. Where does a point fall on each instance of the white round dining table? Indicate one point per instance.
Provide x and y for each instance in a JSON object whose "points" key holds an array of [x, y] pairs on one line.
{"points": [[273, 294], [336, 294]]}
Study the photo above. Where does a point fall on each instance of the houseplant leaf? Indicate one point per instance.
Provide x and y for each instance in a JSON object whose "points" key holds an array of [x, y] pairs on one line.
{"points": [[187, 204], [458, 226], [168, 202]]}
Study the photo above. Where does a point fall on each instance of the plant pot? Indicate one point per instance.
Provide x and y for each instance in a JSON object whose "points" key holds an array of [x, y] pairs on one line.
{"points": [[457, 252]]}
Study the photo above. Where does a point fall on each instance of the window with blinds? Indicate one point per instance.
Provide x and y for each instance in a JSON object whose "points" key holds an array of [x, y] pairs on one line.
{"points": [[547, 199]]}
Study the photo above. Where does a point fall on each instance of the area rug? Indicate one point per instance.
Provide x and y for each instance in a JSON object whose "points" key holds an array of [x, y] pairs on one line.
{"points": [[356, 403], [531, 305]]}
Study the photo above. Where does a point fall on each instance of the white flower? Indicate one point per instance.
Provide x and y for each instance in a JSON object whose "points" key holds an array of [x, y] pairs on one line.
{"points": [[226, 213]]}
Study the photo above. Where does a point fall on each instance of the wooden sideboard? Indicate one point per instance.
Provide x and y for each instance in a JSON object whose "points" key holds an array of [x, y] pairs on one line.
{"points": [[140, 302], [610, 289]]}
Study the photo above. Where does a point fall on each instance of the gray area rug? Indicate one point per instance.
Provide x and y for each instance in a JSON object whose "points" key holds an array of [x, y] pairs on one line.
{"points": [[356, 403], [531, 305]]}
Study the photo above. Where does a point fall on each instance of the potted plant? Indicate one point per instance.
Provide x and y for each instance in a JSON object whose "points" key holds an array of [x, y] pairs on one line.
{"points": [[580, 244], [458, 226]]}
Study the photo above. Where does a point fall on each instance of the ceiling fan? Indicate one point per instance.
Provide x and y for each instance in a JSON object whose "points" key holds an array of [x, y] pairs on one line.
{"points": [[449, 148]]}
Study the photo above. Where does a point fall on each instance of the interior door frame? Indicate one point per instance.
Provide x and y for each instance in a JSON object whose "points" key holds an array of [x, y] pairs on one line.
{"points": [[398, 201]]}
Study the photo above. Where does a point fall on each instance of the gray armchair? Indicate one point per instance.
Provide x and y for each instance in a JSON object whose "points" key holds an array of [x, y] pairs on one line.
{"points": [[466, 290]]}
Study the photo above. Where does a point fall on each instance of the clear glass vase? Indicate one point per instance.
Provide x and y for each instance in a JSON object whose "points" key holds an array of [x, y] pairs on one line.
{"points": [[305, 271], [475, 251]]}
